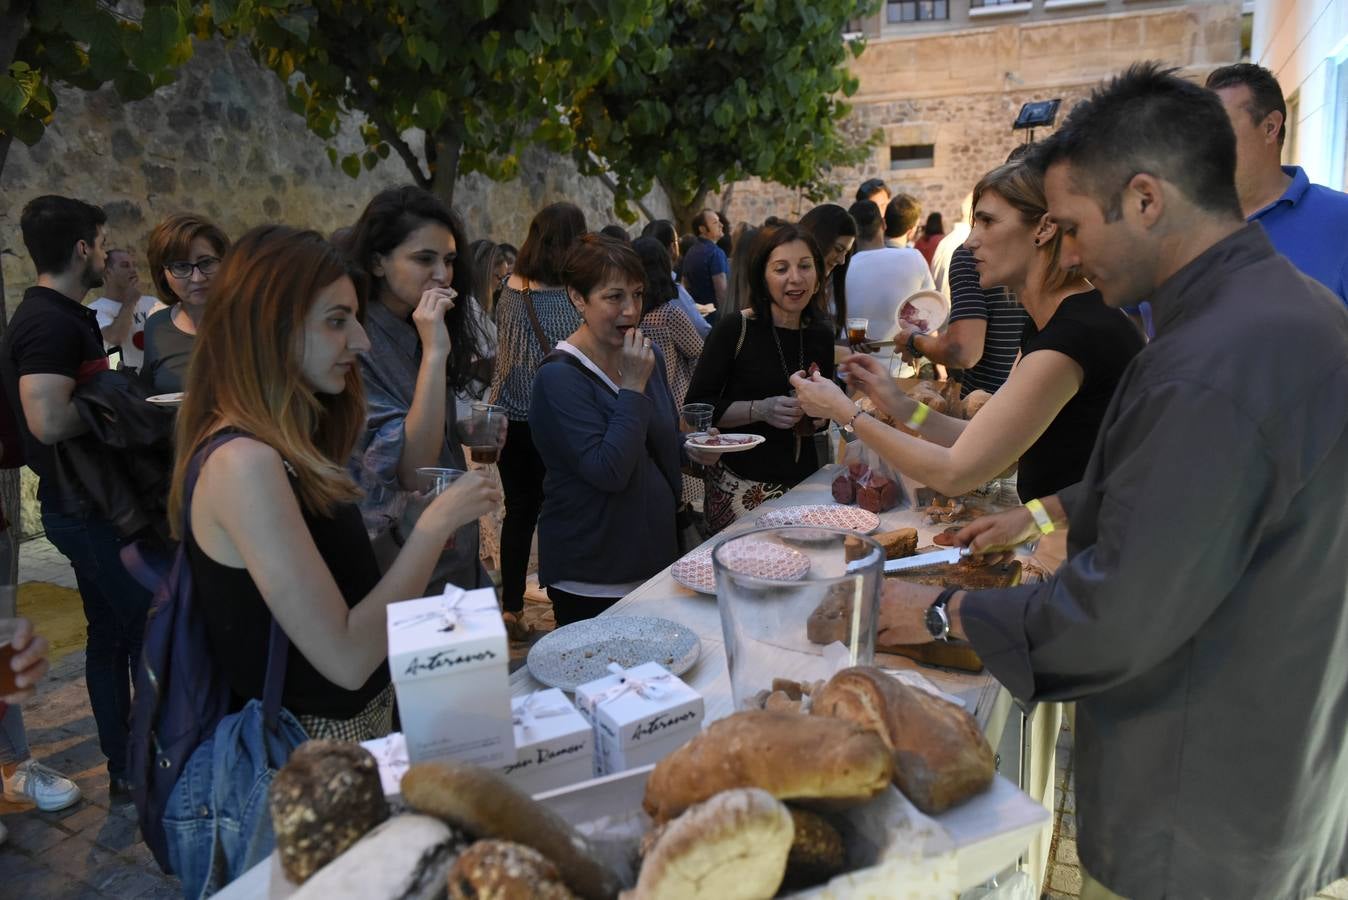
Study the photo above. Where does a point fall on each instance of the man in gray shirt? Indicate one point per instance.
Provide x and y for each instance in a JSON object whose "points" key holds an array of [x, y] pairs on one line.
{"points": [[1201, 619]]}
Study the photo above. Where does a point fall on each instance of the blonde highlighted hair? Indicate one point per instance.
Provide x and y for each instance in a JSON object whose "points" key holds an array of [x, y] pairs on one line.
{"points": [[1022, 186], [246, 369]]}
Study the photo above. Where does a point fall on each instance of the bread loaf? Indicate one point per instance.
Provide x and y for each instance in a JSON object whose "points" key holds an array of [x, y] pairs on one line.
{"points": [[941, 758], [487, 805], [731, 847], [406, 858], [789, 755], [501, 870], [897, 544], [325, 798], [817, 852]]}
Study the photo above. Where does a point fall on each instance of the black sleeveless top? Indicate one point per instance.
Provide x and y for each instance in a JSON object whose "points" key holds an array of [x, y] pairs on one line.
{"points": [[238, 621]]}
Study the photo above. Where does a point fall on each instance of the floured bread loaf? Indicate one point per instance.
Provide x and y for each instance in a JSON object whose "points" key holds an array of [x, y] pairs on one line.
{"points": [[501, 870], [731, 847], [941, 758], [487, 805], [326, 797], [789, 755], [406, 858]]}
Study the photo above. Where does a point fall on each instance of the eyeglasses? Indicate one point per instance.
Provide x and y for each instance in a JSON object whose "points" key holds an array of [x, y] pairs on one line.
{"points": [[183, 269]]}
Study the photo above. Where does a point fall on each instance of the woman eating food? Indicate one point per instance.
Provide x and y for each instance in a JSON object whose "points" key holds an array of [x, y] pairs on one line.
{"points": [[424, 343], [1047, 413], [275, 530], [605, 423], [745, 370]]}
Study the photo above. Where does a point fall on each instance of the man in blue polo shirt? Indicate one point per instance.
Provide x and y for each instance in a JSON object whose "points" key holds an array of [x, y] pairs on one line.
{"points": [[1306, 222], [705, 268]]}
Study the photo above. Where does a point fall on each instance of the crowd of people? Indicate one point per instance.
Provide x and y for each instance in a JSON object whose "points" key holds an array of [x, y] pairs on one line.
{"points": [[321, 375]]}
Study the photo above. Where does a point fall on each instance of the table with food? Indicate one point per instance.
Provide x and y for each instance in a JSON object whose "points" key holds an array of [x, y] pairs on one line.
{"points": [[766, 743]]}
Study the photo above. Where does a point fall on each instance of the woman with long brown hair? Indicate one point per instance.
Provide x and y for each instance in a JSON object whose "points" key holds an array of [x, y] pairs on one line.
{"points": [[274, 530]]}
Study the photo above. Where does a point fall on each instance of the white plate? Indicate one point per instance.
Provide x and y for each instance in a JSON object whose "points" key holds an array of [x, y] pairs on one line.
{"points": [[173, 399], [580, 652], [761, 559], [749, 442], [930, 306], [824, 515]]}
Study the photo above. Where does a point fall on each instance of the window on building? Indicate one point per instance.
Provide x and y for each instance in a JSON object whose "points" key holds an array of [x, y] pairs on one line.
{"points": [[898, 11], [912, 156], [978, 4]]}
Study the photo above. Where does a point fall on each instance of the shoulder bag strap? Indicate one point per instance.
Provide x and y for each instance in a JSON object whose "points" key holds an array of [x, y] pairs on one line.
{"points": [[533, 319]]}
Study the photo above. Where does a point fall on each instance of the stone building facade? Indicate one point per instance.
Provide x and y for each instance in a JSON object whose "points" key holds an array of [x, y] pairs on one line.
{"points": [[956, 85]]}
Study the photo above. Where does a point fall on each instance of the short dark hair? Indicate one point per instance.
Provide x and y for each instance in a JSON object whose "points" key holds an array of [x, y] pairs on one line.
{"points": [[870, 221], [1148, 120], [655, 260], [700, 220], [595, 257], [662, 230], [769, 238], [1265, 92], [53, 225], [552, 232], [870, 187], [617, 232], [171, 241], [935, 224], [901, 215]]}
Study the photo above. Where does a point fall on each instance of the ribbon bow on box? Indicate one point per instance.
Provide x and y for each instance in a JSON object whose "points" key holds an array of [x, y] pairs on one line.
{"points": [[654, 687], [527, 713], [452, 614]]}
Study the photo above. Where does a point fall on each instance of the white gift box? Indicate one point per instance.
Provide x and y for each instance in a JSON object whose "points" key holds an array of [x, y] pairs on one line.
{"points": [[390, 752], [639, 715], [448, 657], [554, 743]]}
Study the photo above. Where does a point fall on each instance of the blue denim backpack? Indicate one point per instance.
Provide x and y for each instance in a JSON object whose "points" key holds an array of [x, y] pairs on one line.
{"points": [[199, 773]]}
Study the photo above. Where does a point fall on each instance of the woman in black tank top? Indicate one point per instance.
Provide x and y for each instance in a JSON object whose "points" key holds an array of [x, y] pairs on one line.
{"points": [[274, 527]]}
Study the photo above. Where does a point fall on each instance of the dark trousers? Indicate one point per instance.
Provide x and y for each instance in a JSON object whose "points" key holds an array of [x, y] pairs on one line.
{"points": [[522, 474], [114, 608], [568, 608]]}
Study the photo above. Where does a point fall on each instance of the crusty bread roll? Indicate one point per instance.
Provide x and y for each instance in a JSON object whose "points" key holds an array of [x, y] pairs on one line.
{"points": [[731, 847], [941, 758], [487, 805], [974, 402], [789, 755], [817, 851], [501, 870], [325, 798]]}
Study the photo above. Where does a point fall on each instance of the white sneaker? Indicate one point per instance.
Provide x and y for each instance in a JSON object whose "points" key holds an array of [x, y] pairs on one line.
{"points": [[35, 783]]}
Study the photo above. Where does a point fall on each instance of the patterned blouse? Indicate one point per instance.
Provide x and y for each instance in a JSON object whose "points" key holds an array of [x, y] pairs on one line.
{"points": [[518, 353], [669, 328]]}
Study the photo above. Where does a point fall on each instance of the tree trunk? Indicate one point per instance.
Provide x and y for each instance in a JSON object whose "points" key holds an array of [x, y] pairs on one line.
{"points": [[12, 28], [442, 154], [684, 208]]}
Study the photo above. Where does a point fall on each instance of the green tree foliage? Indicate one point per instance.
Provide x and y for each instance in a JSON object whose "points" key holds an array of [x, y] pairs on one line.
{"points": [[480, 79], [720, 90]]}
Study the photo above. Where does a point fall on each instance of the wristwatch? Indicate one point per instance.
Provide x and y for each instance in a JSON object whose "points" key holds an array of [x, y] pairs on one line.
{"points": [[912, 346], [938, 620]]}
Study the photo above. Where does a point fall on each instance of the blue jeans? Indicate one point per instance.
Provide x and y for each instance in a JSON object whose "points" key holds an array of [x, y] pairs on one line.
{"points": [[114, 608]]}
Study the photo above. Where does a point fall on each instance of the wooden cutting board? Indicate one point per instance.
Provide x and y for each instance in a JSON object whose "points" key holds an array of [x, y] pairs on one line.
{"points": [[954, 654]]}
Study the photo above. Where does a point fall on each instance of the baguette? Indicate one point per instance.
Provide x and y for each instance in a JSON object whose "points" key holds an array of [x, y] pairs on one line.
{"points": [[941, 758], [489, 806], [789, 755]]}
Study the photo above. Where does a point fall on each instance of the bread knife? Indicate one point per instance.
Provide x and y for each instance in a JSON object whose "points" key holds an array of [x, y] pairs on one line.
{"points": [[935, 558]]}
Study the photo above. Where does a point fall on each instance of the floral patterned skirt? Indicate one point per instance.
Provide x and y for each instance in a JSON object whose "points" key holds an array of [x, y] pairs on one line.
{"points": [[729, 496]]}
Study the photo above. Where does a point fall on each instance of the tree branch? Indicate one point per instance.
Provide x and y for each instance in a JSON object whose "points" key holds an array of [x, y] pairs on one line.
{"points": [[612, 184], [388, 132]]}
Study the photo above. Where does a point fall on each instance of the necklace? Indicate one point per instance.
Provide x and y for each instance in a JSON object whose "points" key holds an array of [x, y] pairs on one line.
{"points": [[800, 350]]}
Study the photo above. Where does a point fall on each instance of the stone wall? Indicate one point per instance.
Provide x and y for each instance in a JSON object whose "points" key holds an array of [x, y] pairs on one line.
{"points": [[960, 91], [221, 141]]}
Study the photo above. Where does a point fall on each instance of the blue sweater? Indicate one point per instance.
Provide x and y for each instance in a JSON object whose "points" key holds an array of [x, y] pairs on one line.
{"points": [[612, 475]]}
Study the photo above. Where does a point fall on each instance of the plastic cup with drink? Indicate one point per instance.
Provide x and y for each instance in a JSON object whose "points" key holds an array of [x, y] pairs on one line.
{"points": [[431, 483]]}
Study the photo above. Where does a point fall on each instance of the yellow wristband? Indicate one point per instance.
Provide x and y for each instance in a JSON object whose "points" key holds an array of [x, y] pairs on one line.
{"points": [[1041, 516], [918, 417]]}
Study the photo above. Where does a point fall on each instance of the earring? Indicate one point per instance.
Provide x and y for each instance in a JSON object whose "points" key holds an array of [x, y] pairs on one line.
{"points": [[1036, 242]]}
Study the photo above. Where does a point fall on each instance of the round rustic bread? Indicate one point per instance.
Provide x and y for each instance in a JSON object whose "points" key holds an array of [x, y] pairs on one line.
{"points": [[326, 797], [502, 870], [817, 851]]}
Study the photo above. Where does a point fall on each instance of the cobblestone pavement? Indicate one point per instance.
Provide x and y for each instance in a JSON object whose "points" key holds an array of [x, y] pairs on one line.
{"points": [[94, 851]]}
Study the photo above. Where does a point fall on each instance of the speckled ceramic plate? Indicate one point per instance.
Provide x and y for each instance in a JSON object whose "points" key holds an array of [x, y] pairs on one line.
{"points": [[835, 515], [580, 652], [761, 559], [173, 399]]}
